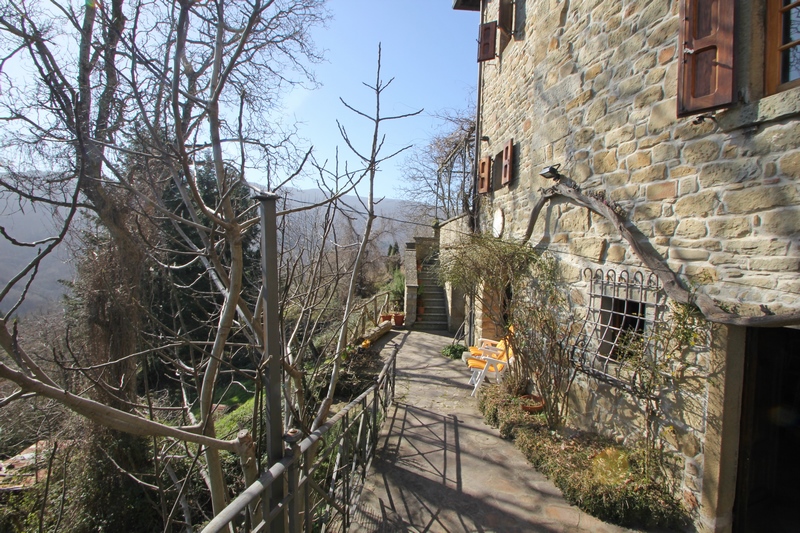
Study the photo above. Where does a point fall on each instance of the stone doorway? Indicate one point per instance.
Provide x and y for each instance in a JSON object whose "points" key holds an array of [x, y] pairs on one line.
{"points": [[767, 488]]}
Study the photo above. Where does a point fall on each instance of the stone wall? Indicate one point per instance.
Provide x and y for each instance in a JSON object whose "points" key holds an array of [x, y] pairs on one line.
{"points": [[592, 85], [451, 233]]}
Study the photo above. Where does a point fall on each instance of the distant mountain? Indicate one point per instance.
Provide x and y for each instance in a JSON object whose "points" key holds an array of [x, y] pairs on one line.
{"points": [[399, 221], [25, 224]]}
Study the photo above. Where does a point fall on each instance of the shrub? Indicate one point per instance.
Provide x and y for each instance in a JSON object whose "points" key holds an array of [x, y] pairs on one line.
{"points": [[597, 475], [454, 351], [490, 401], [397, 289]]}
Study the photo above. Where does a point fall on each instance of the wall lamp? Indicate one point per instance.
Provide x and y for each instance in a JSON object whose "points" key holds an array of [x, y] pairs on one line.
{"points": [[551, 172]]}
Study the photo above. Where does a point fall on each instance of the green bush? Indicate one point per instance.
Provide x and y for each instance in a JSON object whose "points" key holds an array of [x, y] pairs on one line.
{"points": [[594, 473], [397, 289], [454, 351]]}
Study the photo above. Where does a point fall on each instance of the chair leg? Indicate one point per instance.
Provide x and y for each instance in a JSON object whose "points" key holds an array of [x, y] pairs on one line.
{"points": [[479, 379]]}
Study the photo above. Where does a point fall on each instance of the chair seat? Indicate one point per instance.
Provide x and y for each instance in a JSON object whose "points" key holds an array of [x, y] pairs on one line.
{"points": [[480, 365]]}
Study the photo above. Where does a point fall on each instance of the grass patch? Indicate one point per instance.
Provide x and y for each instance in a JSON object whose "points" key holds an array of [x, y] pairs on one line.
{"points": [[594, 473], [240, 418]]}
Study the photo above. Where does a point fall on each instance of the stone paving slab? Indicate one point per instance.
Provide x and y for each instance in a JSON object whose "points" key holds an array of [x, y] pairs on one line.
{"points": [[440, 468]]}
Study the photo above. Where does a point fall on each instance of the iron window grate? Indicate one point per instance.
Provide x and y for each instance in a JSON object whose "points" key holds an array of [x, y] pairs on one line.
{"points": [[623, 311]]}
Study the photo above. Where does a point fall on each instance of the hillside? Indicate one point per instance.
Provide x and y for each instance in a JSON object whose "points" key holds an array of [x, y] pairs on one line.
{"points": [[28, 225], [398, 222]]}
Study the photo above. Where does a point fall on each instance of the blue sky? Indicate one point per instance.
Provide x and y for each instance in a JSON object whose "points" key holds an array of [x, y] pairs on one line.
{"points": [[427, 47]]}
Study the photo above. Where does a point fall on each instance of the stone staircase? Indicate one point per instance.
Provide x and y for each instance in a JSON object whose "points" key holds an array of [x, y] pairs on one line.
{"points": [[434, 317]]}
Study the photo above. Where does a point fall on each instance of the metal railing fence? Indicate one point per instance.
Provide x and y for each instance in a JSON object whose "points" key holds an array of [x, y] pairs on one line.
{"points": [[321, 475]]}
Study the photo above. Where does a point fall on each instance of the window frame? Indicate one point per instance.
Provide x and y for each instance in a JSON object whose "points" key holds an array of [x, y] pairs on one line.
{"points": [[774, 47]]}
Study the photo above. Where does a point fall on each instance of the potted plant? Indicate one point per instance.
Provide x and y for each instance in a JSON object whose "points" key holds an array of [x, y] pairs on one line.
{"points": [[399, 318], [531, 403]]}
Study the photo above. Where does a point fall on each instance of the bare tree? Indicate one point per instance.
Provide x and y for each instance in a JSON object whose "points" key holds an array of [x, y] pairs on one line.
{"points": [[439, 174], [371, 161], [122, 101]]}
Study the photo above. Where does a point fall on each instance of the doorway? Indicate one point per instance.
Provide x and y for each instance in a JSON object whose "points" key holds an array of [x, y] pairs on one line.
{"points": [[767, 488]]}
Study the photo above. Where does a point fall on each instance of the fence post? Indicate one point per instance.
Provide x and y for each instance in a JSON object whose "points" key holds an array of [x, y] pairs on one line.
{"points": [[308, 513], [373, 441], [292, 438], [272, 344], [394, 372], [345, 466]]}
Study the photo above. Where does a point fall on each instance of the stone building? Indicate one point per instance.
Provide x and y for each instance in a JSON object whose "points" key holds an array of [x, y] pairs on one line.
{"points": [[672, 129]]}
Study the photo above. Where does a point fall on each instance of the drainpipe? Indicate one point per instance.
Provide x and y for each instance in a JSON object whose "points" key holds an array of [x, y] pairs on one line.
{"points": [[474, 218]]}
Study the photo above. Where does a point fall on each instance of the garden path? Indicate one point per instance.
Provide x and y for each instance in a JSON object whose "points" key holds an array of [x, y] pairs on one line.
{"points": [[439, 468]]}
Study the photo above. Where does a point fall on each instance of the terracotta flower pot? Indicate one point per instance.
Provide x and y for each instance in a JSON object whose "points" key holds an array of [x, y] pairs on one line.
{"points": [[399, 319], [384, 318], [532, 403]]}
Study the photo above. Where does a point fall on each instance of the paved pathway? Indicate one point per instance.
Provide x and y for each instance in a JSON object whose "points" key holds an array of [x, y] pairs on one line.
{"points": [[440, 468]]}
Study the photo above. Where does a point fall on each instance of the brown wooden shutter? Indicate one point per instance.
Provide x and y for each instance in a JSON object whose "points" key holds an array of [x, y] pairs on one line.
{"points": [[487, 41], [484, 174], [705, 70], [508, 162], [505, 18]]}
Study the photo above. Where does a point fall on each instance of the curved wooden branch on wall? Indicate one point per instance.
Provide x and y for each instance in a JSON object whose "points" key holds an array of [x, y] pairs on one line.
{"points": [[648, 255]]}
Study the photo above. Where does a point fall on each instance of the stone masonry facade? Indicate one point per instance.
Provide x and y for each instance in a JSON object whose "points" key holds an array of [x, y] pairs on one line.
{"points": [[591, 85]]}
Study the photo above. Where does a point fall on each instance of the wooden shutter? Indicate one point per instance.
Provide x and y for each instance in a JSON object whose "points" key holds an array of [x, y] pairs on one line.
{"points": [[505, 19], [508, 163], [705, 70], [487, 41], [484, 174]]}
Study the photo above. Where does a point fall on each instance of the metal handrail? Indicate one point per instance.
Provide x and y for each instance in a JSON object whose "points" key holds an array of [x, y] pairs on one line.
{"points": [[351, 454]]}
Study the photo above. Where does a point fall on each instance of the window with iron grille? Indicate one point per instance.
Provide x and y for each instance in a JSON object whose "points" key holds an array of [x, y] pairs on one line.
{"points": [[621, 316], [620, 320]]}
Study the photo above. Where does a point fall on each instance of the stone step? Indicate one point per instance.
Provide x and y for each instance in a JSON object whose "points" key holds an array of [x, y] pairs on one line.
{"points": [[431, 296], [432, 299], [431, 320], [432, 311], [430, 326], [432, 317]]}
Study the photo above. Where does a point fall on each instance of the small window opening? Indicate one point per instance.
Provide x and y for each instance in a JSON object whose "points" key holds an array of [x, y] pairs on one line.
{"points": [[497, 171], [620, 320]]}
